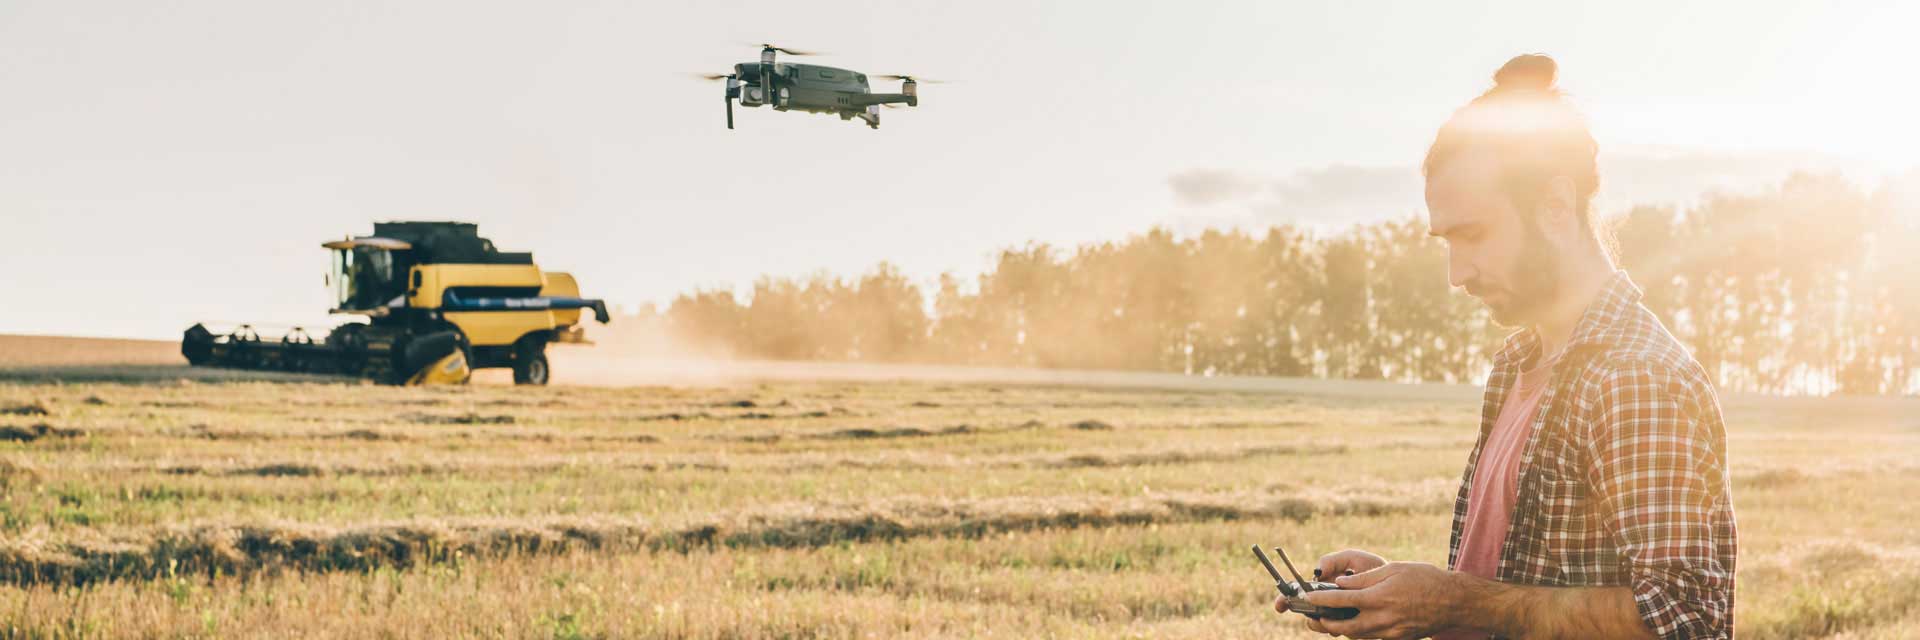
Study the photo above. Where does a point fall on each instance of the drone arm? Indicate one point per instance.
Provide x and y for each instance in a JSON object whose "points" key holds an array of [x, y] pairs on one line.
{"points": [[886, 98]]}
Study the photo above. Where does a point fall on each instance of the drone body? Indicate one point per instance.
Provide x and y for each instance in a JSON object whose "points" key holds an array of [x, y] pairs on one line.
{"points": [[810, 88]]}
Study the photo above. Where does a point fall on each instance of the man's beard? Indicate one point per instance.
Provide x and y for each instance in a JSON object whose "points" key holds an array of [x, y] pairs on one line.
{"points": [[1535, 279]]}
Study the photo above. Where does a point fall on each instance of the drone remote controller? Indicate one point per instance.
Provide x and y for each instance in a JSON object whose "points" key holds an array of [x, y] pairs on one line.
{"points": [[1299, 587]]}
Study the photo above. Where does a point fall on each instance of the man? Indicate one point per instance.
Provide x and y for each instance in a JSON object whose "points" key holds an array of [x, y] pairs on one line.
{"points": [[1596, 502]]}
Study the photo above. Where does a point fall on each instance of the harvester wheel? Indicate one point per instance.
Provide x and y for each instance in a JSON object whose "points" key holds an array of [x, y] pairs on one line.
{"points": [[530, 362], [197, 345], [350, 343]]}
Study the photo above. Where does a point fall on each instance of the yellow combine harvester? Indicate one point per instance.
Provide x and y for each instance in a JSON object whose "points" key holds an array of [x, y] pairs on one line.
{"points": [[439, 300]]}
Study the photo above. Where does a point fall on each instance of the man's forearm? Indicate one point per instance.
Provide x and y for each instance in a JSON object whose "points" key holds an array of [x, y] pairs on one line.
{"points": [[1517, 611]]}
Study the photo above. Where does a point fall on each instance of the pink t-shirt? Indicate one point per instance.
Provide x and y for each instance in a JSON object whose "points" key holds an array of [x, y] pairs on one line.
{"points": [[1495, 483]]}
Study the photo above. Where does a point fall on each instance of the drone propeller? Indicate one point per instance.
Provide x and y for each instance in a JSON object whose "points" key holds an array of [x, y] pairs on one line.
{"points": [[711, 76], [791, 52], [909, 79]]}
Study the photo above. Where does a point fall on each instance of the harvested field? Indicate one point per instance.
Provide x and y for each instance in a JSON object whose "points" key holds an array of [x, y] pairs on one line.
{"points": [[174, 504]]}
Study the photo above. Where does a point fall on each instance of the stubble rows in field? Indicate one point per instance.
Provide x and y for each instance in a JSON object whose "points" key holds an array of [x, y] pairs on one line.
{"points": [[828, 509]]}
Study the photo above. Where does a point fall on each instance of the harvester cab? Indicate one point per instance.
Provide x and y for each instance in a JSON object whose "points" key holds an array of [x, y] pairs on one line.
{"points": [[439, 301]]}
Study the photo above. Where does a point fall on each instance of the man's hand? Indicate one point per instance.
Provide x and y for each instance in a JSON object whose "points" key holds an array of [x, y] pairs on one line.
{"points": [[1338, 563], [1396, 600], [1349, 562]]}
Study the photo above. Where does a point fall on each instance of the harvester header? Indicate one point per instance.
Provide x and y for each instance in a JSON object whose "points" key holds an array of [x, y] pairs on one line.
{"points": [[439, 300]]}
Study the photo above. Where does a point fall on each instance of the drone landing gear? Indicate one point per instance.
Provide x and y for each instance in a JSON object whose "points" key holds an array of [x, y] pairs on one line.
{"points": [[871, 116]]}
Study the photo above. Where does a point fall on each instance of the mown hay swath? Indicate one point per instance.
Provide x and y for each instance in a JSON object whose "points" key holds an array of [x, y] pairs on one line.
{"points": [[244, 549]]}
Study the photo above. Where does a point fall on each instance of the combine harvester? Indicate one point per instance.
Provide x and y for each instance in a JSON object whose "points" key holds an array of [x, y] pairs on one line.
{"points": [[439, 300]]}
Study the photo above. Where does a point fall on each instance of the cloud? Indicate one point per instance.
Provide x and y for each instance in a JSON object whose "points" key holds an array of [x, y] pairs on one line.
{"points": [[1667, 176], [1332, 196], [1345, 194], [1212, 186], [1341, 195]]}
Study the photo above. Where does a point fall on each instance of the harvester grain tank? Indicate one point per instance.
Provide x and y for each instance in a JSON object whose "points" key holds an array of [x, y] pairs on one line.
{"points": [[438, 301]]}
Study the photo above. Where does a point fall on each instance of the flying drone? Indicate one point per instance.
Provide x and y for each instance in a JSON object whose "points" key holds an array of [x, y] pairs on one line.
{"points": [[812, 88]]}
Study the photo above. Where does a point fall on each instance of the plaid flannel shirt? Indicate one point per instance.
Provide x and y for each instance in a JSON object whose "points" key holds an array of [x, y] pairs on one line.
{"points": [[1623, 479]]}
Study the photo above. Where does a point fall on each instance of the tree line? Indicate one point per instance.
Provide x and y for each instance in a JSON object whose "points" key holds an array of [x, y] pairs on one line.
{"points": [[1812, 286]]}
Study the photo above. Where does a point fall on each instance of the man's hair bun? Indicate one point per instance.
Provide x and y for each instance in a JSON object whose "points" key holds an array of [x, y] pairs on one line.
{"points": [[1526, 72]]}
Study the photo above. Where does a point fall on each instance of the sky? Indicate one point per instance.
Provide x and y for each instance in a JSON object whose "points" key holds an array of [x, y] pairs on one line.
{"points": [[168, 163]]}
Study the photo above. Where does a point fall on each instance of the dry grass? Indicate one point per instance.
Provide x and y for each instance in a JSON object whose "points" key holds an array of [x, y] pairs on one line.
{"points": [[148, 501]]}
